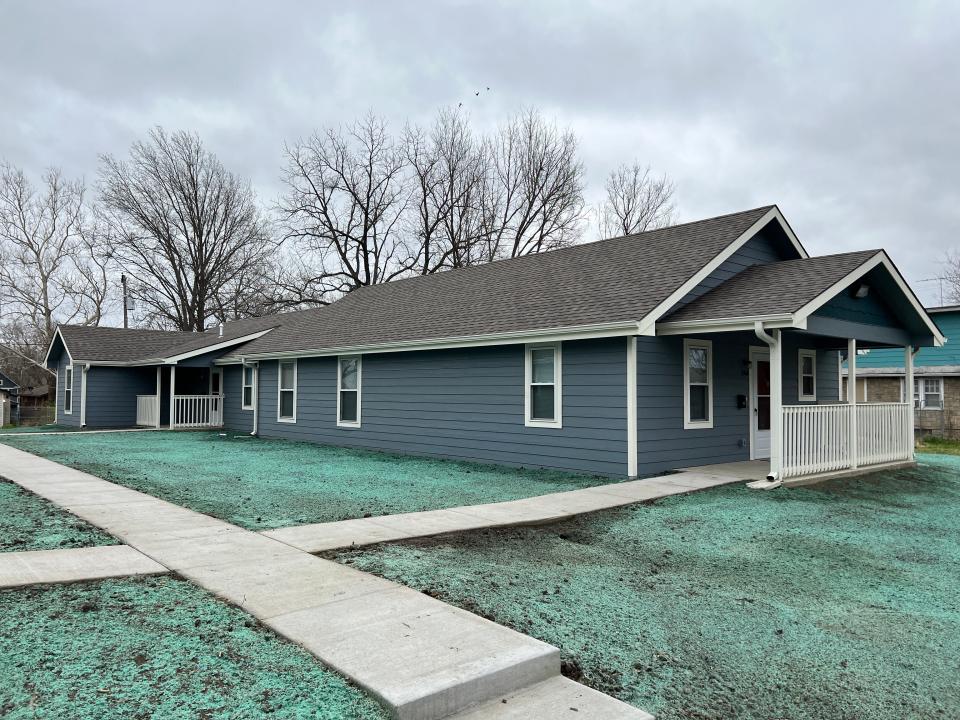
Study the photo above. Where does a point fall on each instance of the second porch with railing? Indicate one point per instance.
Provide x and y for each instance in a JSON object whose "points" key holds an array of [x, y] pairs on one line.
{"points": [[170, 407]]}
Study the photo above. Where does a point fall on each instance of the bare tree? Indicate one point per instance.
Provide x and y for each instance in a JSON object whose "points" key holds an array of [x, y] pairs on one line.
{"points": [[346, 195], [534, 193], [53, 267], [448, 167], [636, 202], [185, 229], [951, 277]]}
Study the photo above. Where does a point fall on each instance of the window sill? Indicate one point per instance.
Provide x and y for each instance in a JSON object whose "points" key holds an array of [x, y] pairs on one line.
{"points": [[807, 398], [289, 421], [694, 425], [348, 425], [553, 424], [246, 407]]}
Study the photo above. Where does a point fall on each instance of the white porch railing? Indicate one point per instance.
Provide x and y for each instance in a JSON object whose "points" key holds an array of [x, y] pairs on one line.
{"points": [[816, 438], [197, 411], [148, 410]]}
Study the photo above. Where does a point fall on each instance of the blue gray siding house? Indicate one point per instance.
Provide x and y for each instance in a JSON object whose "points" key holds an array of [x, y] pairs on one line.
{"points": [[625, 357]]}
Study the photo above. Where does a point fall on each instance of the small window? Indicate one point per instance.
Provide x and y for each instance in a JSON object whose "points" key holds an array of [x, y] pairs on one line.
{"points": [[68, 390], [808, 374], [698, 384], [348, 391], [248, 376], [928, 393], [543, 398], [287, 390]]}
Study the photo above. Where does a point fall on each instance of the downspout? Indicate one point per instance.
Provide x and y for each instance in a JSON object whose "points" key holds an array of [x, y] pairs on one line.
{"points": [[256, 397], [776, 401]]}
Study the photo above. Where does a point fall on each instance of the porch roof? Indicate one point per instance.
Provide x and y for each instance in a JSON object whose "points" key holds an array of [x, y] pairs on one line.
{"points": [[788, 293]]}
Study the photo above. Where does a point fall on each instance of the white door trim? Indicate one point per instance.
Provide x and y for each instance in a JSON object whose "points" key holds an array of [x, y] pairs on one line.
{"points": [[763, 353]]}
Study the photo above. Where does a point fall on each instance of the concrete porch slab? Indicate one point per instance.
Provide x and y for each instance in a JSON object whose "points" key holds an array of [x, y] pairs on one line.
{"points": [[74, 565]]}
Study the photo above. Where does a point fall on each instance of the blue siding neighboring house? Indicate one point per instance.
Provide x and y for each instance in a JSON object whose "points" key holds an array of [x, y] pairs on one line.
{"points": [[626, 357]]}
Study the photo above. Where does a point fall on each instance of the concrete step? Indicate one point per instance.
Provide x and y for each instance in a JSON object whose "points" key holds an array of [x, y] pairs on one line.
{"points": [[554, 699]]}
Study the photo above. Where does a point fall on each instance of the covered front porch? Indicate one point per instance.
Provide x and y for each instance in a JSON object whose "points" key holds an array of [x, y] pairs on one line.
{"points": [[186, 397], [802, 320]]}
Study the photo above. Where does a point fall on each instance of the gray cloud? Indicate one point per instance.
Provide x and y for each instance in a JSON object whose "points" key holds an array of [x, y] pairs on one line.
{"points": [[844, 116]]}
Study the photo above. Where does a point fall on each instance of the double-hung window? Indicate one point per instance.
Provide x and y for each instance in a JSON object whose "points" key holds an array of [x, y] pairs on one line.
{"points": [[928, 393], [287, 392], [348, 390], [247, 393], [68, 390], [544, 392], [697, 384], [807, 382]]}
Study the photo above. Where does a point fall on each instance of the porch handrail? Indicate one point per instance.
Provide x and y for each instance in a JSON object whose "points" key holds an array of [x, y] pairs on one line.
{"points": [[817, 438], [148, 410], [197, 411]]}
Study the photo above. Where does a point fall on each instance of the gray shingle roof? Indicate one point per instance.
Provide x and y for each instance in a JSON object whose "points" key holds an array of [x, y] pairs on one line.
{"points": [[620, 279], [781, 287]]}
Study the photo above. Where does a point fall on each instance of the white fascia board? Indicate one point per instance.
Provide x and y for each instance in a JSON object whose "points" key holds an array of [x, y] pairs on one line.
{"points": [[704, 272], [881, 258], [174, 359], [56, 334], [782, 320], [586, 332]]}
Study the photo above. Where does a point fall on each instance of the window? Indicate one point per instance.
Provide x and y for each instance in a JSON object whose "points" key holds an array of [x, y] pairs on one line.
{"points": [[697, 384], [348, 391], [287, 392], [68, 390], [807, 363], [543, 376], [928, 393], [248, 375]]}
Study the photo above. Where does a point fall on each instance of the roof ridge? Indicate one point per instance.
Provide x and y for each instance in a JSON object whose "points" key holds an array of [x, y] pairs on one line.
{"points": [[567, 248]]}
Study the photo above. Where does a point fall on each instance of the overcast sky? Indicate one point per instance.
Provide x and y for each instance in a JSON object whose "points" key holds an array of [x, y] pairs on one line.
{"points": [[847, 117]]}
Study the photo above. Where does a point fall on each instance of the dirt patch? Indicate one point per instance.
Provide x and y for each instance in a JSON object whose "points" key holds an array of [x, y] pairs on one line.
{"points": [[837, 601]]}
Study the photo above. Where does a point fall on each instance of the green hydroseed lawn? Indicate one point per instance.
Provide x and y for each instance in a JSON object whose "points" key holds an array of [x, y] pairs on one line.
{"points": [[28, 522], [156, 648], [840, 600], [260, 484]]}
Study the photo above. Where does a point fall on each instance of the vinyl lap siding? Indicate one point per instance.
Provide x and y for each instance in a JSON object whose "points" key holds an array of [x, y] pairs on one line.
{"points": [[112, 394], [466, 404], [234, 417], [662, 442]]}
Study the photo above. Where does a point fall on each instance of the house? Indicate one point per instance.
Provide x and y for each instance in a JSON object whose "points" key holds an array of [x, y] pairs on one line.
{"points": [[708, 342], [9, 400], [936, 382]]}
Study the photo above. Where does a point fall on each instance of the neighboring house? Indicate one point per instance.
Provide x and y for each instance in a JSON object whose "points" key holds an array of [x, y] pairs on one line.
{"points": [[936, 383], [708, 342], [9, 400]]}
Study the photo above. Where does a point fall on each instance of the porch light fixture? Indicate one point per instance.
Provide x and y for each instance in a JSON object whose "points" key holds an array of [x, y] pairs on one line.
{"points": [[860, 290]]}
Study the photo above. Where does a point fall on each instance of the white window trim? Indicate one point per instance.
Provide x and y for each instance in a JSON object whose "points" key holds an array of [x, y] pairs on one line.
{"points": [[68, 387], [253, 382], [557, 422], [812, 354], [689, 424], [922, 395], [359, 390], [281, 390]]}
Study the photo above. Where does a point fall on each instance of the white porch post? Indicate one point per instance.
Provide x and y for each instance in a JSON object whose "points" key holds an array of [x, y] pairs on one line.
{"points": [[173, 382], [157, 423], [852, 400], [776, 404], [908, 397]]}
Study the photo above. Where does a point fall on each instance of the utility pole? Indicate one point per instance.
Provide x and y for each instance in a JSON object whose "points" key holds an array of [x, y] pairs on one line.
{"points": [[123, 281]]}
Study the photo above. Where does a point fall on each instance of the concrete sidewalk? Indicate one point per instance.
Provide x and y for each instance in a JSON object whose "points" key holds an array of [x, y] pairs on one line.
{"points": [[73, 565], [422, 658], [319, 537]]}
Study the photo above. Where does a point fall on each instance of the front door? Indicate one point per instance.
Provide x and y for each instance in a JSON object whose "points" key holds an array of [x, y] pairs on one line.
{"points": [[759, 403]]}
